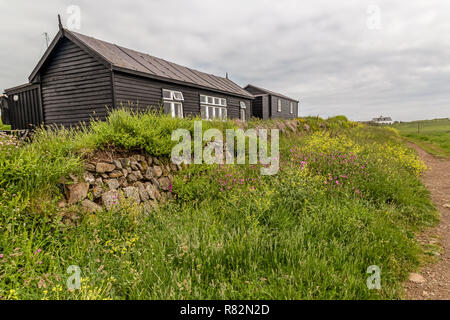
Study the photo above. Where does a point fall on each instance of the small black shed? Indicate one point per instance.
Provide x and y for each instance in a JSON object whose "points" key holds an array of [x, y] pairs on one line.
{"points": [[268, 104], [78, 77]]}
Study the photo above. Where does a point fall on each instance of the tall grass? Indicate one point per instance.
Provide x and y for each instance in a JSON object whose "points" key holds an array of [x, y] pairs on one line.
{"points": [[231, 233], [432, 135]]}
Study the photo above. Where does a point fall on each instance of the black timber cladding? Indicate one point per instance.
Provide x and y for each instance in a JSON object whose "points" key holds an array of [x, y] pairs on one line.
{"points": [[79, 77], [265, 104], [26, 112], [143, 92], [75, 86]]}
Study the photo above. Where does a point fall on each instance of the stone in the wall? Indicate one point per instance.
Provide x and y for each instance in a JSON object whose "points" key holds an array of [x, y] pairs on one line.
{"points": [[117, 164], [113, 184], [89, 178], [132, 177], [132, 193], [138, 175], [148, 175], [115, 174], [97, 192], [153, 192], [77, 192], [123, 182], [90, 206], [157, 171], [164, 183], [89, 167], [125, 162], [103, 167], [110, 199]]}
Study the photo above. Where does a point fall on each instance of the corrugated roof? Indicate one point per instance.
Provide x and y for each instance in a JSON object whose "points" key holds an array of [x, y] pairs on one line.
{"points": [[270, 92], [144, 63]]}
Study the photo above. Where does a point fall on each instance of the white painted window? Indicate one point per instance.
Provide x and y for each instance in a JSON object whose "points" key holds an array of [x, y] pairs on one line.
{"points": [[291, 107], [243, 114], [174, 108], [279, 105], [172, 95], [242, 110], [213, 107], [172, 103]]}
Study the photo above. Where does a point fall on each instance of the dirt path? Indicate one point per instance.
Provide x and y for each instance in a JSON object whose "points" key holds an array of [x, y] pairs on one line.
{"points": [[433, 280]]}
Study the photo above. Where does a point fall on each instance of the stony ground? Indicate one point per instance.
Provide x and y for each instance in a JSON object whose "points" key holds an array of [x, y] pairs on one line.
{"points": [[433, 280]]}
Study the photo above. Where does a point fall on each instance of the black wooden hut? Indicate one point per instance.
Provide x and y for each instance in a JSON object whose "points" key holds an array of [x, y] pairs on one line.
{"points": [[79, 77], [268, 104]]}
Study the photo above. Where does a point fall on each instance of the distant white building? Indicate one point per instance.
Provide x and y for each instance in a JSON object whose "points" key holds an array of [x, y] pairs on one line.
{"points": [[383, 120]]}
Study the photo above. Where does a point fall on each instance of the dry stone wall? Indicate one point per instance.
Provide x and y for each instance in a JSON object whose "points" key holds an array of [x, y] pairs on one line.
{"points": [[140, 179]]}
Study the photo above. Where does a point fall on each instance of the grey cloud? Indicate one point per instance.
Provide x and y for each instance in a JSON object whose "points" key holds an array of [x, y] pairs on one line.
{"points": [[320, 52]]}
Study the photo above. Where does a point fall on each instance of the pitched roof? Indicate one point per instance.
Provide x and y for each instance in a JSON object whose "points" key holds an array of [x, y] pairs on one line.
{"points": [[265, 91], [127, 60]]}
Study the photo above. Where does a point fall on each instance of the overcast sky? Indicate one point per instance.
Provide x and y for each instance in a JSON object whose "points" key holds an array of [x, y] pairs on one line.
{"points": [[358, 58]]}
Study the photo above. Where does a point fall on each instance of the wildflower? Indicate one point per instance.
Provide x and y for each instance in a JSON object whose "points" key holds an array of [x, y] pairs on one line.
{"points": [[337, 181], [1, 255]]}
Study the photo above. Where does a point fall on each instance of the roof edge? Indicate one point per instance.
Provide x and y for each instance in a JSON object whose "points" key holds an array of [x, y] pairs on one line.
{"points": [[272, 93], [65, 33], [187, 84]]}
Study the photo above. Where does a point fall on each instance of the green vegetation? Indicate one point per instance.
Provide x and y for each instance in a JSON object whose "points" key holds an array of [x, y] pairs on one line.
{"points": [[346, 197], [4, 126], [431, 135]]}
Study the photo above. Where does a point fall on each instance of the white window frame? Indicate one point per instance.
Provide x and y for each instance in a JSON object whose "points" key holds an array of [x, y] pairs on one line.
{"points": [[279, 108], [243, 115], [173, 94], [175, 100], [291, 107], [172, 110], [218, 105]]}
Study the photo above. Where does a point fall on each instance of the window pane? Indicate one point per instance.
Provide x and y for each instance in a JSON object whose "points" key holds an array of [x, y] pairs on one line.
{"points": [[210, 112], [224, 113], [224, 102], [216, 101], [167, 107], [177, 95], [243, 114], [203, 112], [210, 100], [167, 94], [179, 109], [202, 99]]}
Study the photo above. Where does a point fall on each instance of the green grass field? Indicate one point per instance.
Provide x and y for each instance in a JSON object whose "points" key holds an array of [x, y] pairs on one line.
{"points": [[345, 198], [431, 135], [4, 126]]}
